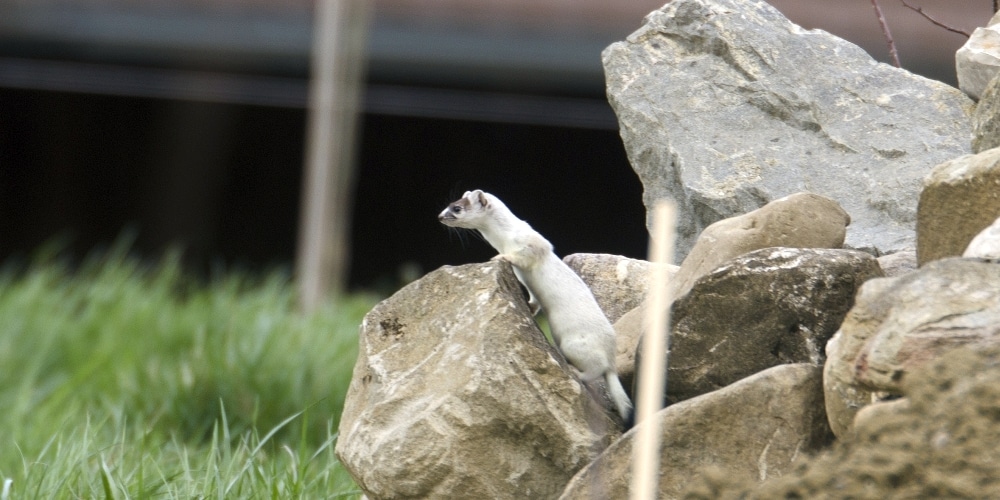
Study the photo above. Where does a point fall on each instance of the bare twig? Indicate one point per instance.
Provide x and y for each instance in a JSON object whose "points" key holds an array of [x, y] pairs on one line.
{"points": [[996, 6], [887, 33], [920, 10]]}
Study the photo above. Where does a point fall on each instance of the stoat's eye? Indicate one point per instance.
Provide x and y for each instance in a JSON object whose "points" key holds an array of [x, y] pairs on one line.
{"points": [[456, 209]]}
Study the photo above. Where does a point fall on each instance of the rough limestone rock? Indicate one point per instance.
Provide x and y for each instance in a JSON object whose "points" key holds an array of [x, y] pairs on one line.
{"points": [[456, 394], [961, 197], [954, 303], [619, 283], [628, 331], [754, 429], [986, 244], [978, 61], [844, 397], [899, 263], [899, 324], [765, 308], [941, 444], [986, 119], [881, 410], [725, 105], [801, 220]]}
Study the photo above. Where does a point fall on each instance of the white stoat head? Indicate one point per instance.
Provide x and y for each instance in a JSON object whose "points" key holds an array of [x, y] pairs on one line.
{"points": [[471, 211]]}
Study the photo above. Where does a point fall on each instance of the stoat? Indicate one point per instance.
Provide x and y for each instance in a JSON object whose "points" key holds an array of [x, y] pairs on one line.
{"points": [[581, 331]]}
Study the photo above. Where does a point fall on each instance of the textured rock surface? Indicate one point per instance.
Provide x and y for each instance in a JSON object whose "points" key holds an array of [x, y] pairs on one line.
{"points": [[844, 397], [871, 414], [953, 303], [978, 60], [899, 263], [754, 429], [941, 444], [764, 308], [961, 197], [725, 105], [619, 283], [628, 331], [456, 394], [899, 324], [801, 220], [986, 119], [986, 244]]}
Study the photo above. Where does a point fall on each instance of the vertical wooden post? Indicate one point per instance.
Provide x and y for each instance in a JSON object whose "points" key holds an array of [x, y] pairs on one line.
{"points": [[655, 339], [339, 37]]}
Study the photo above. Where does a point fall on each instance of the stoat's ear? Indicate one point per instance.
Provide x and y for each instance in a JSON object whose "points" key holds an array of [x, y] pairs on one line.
{"points": [[485, 202]]}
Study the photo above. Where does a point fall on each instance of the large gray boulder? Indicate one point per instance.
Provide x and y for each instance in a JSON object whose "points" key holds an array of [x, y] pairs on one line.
{"points": [[764, 308], [724, 105], [457, 394], [755, 429], [961, 197], [899, 324]]}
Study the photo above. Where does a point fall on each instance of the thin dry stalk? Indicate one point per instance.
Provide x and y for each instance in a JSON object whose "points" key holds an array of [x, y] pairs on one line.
{"points": [[887, 34], [654, 357]]}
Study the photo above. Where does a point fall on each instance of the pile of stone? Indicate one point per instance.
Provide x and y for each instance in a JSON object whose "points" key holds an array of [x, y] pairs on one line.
{"points": [[840, 235]]}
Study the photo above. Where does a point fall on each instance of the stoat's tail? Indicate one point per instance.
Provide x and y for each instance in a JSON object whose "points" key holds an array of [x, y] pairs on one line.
{"points": [[619, 397]]}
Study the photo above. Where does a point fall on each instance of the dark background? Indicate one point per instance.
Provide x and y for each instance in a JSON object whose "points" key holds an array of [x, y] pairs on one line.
{"points": [[223, 181], [98, 139]]}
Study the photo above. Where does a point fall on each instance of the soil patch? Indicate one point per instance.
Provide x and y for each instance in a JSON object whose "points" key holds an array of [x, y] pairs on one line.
{"points": [[944, 444]]}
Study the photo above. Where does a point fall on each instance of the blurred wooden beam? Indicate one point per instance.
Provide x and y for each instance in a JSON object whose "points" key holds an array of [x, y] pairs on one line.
{"points": [[338, 63]]}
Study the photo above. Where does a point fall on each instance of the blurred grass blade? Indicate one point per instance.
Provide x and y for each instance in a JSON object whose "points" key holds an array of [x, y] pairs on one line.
{"points": [[109, 494]]}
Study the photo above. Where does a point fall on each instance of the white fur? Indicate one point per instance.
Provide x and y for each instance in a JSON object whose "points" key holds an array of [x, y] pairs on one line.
{"points": [[580, 329]]}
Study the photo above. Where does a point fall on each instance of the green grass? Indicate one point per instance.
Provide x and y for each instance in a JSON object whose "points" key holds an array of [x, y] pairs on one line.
{"points": [[120, 380]]}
